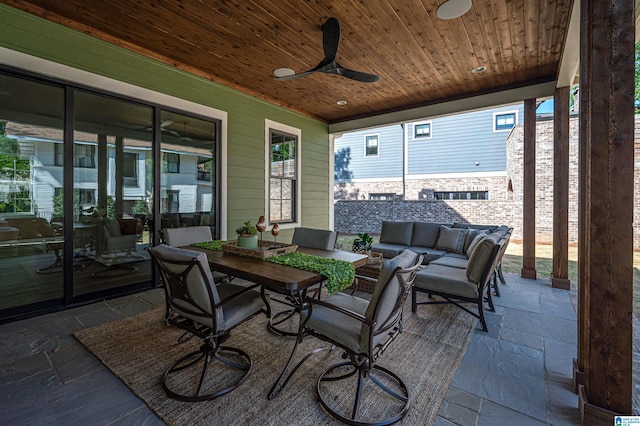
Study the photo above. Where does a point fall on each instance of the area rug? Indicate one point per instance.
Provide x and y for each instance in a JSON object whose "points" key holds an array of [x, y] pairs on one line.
{"points": [[139, 349]]}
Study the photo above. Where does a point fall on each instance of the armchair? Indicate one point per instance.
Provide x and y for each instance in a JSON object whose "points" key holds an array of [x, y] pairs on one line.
{"points": [[363, 330], [209, 312], [119, 235]]}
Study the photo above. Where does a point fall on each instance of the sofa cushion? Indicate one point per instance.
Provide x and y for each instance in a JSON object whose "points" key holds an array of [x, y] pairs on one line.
{"points": [[471, 235], [396, 233], [388, 250], [430, 254], [425, 234], [474, 243], [447, 280], [490, 228], [453, 262], [480, 256], [451, 240]]}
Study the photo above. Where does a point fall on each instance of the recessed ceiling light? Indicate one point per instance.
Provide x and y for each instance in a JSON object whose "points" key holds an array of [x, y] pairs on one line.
{"points": [[451, 9], [341, 103], [478, 70], [283, 72]]}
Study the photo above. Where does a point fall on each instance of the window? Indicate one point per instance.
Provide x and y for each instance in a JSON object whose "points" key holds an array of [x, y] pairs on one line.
{"points": [[130, 169], [504, 121], [171, 162], [205, 167], [422, 130], [86, 197], [461, 195], [383, 196], [84, 156], [283, 173], [371, 146]]}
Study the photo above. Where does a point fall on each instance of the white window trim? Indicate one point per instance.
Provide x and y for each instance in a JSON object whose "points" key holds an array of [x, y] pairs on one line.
{"points": [[493, 123], [377, 135], [274, 125], [418, 138]]}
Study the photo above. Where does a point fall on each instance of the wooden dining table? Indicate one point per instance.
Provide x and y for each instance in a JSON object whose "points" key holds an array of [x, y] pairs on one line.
{"points": [[280, 278]]}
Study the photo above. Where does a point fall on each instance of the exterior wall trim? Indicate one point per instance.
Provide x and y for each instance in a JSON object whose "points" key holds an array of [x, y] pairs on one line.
{"points": [[500, 173]]}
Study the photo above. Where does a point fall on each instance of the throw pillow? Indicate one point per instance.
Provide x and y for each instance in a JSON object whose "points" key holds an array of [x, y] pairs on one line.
{"points": [[471, 235], [451, 240]]}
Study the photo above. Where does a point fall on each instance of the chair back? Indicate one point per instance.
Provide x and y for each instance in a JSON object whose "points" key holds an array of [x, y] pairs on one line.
{"points": [[484, 259], [184, 236], [385, 307], [189, 285], [315, 238]]}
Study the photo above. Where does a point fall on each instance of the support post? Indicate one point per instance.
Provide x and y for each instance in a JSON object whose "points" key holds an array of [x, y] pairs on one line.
{"points": [[607, 64], [560, 269], [529, 189]]}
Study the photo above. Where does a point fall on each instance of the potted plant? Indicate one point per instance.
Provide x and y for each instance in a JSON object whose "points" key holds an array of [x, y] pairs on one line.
{"points": [[364, 242], [247, 236]]}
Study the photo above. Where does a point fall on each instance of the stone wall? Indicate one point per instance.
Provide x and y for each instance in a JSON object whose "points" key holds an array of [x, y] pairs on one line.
{"points": [[423, 189], [353, 216]]}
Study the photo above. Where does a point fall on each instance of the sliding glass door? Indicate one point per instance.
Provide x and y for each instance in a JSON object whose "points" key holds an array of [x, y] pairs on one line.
{"points": [[79, 201]]}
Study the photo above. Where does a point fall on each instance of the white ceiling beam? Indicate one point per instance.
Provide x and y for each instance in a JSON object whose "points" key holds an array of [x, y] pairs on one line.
{"points": [[570, 57]]}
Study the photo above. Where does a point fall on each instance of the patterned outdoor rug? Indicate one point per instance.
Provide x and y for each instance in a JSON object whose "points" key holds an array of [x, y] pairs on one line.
{"points": [[139, 349]]}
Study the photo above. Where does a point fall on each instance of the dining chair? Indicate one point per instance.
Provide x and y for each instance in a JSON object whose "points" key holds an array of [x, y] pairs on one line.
{"points": [[322, 239], [210, 312], [363, 329]]}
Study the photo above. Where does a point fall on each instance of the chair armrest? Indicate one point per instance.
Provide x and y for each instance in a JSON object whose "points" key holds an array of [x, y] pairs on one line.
{"points": [[350, 313]]}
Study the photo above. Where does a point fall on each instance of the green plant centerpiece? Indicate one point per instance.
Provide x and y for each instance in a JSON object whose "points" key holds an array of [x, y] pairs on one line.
{"points": [[247, 236]]}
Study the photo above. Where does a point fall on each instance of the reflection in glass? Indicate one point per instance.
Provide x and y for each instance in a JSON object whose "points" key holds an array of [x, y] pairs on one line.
{"points": [[31, 237], [188, 183], [113, 190]]}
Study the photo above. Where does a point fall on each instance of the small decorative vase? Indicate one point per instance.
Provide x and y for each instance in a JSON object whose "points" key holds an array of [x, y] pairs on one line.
{"points": [[248, 241]]}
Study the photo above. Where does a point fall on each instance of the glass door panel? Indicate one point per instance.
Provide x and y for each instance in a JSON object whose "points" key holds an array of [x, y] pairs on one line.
{"points": [[31, 233], [112, 192], [189, 172]]}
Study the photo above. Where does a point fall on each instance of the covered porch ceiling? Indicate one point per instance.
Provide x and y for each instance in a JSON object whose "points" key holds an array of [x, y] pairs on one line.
{"points": [[527, 46]]}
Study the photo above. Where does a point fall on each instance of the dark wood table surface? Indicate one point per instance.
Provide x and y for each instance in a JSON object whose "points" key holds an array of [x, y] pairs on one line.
{"points": [[281, 278]]}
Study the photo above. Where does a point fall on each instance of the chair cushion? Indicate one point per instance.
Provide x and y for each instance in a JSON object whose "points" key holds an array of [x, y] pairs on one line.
{"points": [[451, 239], [396, 233], [445, 279], [425, 234], [386, 292], [480, 256], [388, 250], [314, 238], [113, 227], [341, 328], [185, 236], [471, 235], [239, 308]]}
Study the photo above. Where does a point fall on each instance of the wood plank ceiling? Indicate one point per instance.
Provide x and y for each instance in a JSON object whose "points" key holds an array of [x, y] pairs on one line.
{"points": [[420, 58]]}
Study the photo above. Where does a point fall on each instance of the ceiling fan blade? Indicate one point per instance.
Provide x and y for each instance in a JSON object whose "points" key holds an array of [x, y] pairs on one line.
{"points": [[330, 39], [357, 75], [294, 76]]}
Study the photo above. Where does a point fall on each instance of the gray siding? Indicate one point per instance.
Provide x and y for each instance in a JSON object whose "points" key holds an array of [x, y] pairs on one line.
{"points": [[387, 164], [459, 141]]}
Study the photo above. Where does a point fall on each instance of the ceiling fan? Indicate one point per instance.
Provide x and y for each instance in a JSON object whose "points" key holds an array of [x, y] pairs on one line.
{"points": [[330, 42]]}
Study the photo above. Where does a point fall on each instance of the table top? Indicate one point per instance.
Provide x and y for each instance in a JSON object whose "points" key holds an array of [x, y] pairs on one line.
{"points": [[271, 275]]}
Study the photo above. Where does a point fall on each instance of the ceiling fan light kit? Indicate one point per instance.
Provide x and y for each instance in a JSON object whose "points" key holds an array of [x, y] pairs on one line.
{"points": [[283, 72], [452, 9], [329, 65]]}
